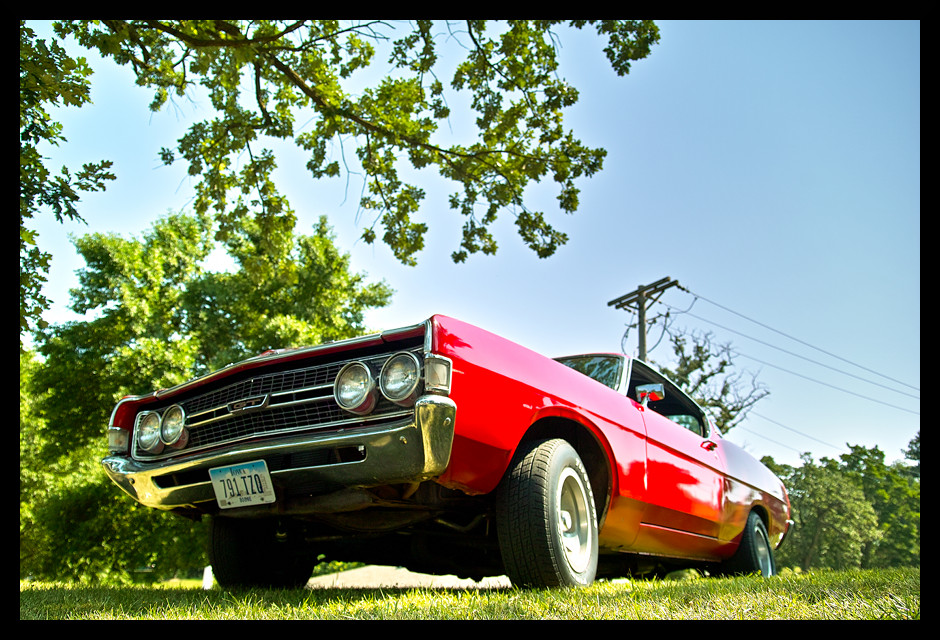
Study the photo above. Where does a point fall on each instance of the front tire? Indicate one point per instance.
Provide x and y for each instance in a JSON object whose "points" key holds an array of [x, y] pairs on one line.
{"points": [[754, 554], [248, 553], [546, 518]]}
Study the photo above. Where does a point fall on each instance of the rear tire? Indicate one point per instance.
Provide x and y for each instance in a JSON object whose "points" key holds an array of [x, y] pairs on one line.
{"points": [[754, 554], [546, 519], [250, 553]]}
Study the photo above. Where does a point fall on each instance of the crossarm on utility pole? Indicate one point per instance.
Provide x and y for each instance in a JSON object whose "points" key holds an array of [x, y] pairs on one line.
{"points": [[639, 298]]}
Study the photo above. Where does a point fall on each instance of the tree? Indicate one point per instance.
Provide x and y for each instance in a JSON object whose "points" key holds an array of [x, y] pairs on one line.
{"points": [[833, 522], [158, 318], [31, 477], [48, 76], [308, 297], [706, 372], [853, 512], [913, 454], [155, 319], [265, 76], [74, 524], [895, 498]]}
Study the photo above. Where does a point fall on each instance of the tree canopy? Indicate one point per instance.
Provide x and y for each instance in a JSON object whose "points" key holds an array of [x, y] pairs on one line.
{"points": [[48, 77], [381, 89], [158, 318], [263, 77]]}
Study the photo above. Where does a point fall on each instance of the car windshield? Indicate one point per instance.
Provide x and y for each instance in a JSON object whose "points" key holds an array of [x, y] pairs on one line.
{"points": [[606, 369]]}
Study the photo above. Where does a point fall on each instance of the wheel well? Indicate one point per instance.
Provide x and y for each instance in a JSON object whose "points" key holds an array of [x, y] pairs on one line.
{"points": [[763, 515], [589, 450]]}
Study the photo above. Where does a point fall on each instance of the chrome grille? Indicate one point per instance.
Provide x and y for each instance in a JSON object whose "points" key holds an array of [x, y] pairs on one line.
{"points": [[276, 403], [313, 377]]}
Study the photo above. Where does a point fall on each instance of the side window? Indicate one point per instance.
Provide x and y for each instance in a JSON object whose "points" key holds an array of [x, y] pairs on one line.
{"points": [[690, 422], [675, 405]]}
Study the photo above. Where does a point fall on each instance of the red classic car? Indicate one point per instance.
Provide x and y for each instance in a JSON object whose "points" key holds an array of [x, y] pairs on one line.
{"points": [[444, 448]]}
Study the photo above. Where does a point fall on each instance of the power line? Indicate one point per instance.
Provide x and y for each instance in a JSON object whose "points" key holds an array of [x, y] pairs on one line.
{"points": [[780, 444], [640, 300], [744, 355], [779, 424], [832, 386], [796, 355], [878, 373]]}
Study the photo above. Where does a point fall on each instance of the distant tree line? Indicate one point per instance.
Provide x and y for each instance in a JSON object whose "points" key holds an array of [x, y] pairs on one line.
{"points": [[854, 512]]}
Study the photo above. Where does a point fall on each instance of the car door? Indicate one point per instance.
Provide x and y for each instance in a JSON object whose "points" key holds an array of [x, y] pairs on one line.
{"points": [[685, 477]]}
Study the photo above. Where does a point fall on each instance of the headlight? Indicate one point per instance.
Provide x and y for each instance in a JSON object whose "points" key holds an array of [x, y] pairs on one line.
{"points": [[148, 432], [354, 388], [172, 430], [400, 378]]}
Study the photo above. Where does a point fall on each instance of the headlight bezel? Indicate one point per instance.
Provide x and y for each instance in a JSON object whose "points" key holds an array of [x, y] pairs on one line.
{"points": [[406, 395], [363, 402], [176, 440], [147, 434]]}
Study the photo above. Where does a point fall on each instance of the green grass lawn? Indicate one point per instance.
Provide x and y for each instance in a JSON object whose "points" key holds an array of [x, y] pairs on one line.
{"points": [[851, 595]]}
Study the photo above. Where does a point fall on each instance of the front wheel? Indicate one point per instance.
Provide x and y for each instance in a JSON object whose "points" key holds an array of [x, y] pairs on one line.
{"points": [[754, 554], [248, 553], [546, 519]]}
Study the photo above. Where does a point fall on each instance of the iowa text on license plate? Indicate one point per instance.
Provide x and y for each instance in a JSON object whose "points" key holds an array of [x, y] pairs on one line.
{"points": [[242, 485]]}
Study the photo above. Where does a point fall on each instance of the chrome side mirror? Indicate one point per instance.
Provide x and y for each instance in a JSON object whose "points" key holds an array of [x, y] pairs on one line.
{"points": [[647, 392]]}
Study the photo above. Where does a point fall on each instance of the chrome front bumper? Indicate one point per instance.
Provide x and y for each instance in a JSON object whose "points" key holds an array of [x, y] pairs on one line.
{"points": [[408, 451]]}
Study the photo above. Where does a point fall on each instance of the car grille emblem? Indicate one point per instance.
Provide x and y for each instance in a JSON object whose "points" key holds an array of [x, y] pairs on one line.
{"points": [[248, 404]]}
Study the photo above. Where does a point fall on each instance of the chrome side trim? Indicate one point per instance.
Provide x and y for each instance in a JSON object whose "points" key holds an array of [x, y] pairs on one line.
{"points": [[428, 337]]}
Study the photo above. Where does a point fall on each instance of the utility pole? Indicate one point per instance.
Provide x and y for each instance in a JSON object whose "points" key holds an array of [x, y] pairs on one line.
{"points": [[639, 299]]}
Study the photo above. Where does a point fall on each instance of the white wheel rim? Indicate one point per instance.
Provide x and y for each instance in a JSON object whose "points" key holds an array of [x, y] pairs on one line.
{"points": [[574, 520], [764, 559]]}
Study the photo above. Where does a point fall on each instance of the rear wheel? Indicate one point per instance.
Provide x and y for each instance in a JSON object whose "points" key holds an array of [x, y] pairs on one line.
{"points": [[754, 554], [255, 553], [546, 518]]}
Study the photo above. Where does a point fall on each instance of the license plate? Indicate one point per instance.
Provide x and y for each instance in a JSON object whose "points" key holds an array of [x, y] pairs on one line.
{"points": [[242, 485]]}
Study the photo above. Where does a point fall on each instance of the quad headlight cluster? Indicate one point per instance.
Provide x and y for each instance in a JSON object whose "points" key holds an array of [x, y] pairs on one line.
{"points": [[356, 389], [155, 431]]}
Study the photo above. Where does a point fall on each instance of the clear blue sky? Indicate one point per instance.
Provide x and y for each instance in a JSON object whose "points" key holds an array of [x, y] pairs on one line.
{"points": [[770, 167]]}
